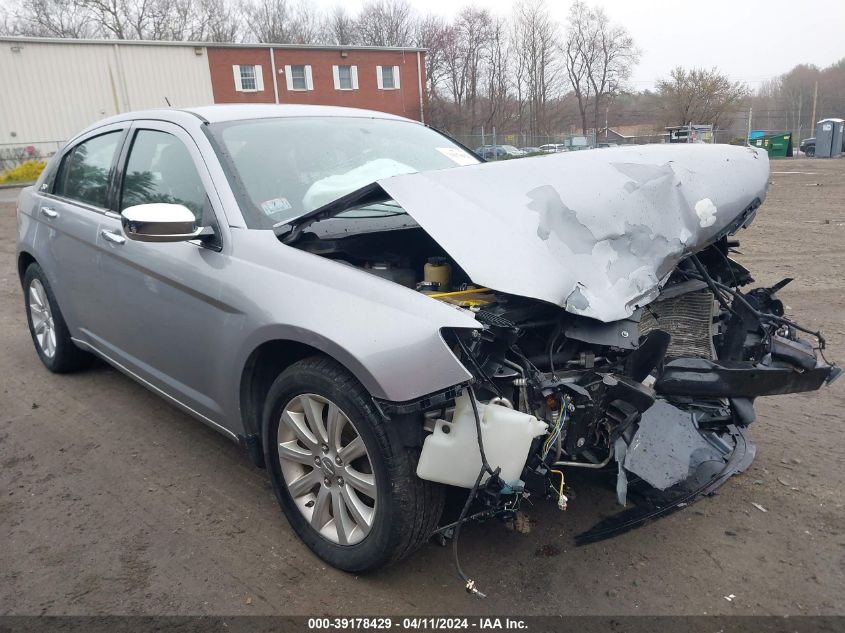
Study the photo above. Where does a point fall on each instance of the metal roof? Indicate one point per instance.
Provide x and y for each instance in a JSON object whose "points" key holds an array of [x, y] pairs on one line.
{"points": [[58, 40]]}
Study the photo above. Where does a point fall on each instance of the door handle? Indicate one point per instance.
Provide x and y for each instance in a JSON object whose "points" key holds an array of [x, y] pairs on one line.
{"points": [[111, 236], [49, 212]]}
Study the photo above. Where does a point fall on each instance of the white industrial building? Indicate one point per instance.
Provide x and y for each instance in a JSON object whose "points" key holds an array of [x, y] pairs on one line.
{"points": [[50, 90]]}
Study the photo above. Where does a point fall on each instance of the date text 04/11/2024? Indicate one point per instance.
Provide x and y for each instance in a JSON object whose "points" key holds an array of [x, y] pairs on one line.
{"points": [[417, 623]]}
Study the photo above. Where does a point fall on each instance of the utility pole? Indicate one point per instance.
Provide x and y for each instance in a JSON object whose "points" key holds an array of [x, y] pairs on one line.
{"points": [[815, 99], [748, 136]]}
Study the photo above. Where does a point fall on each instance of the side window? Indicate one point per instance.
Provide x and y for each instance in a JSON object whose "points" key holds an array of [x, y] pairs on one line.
{"points": [[160, 169], [85, 170]]}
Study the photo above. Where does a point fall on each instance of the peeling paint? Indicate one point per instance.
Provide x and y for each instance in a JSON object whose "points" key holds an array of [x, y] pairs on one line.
{"points": [[596, 232]]}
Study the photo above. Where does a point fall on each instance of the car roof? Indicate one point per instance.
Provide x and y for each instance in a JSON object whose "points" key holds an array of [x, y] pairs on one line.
{"points": [[222, 113]]}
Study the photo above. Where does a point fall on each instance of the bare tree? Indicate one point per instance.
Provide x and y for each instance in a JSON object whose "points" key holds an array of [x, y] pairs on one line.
{"points": [[497, 83], [599, 58], [49, 18], [340, 27], [283, 21], [430, 33], [111, 17], [465, 53], [221, 21], [699, 95], [534, 36], [386, 23]]}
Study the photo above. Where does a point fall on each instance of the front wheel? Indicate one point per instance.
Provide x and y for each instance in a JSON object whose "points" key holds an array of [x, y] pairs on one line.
{"points": [[340, 472]]}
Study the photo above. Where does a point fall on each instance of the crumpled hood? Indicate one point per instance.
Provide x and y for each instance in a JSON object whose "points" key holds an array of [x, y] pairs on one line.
{"points": [[596, 232]]}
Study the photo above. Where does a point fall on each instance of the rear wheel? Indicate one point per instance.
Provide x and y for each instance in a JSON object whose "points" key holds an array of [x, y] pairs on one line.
{"points": [[810, 151], [342, 476], [47, 326]]}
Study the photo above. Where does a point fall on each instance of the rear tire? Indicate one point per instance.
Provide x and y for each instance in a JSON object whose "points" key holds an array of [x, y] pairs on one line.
{"points": [[385, 511], [47, 326]]}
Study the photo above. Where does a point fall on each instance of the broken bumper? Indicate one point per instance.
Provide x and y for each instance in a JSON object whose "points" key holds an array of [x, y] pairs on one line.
{"points": [[732, 451], [698, 377]]}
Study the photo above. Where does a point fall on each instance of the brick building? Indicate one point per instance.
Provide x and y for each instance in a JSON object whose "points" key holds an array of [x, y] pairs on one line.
{"points": [[93, 79], [388, 80]]}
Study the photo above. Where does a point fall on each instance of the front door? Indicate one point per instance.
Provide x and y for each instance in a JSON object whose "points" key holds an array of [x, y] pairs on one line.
{"points": [[167, 318]]}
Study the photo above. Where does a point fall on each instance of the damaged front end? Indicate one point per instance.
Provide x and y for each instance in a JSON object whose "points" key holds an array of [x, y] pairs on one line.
{"points": [[615, 331], [663, 398]]}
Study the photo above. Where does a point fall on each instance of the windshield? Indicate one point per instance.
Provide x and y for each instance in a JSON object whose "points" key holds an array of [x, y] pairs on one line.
{"points": [[285, 167]]}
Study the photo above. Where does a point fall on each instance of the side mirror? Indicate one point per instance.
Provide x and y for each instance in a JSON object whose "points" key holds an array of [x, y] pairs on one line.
{"points": [[159, 222]]}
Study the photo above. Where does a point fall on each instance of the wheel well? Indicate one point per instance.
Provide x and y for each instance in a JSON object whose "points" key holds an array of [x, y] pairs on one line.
{"points": [[24, 260], [262, 367]]}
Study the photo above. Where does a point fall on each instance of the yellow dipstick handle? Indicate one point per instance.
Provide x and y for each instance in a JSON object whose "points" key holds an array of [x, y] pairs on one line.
{"points": [[437, 295]]}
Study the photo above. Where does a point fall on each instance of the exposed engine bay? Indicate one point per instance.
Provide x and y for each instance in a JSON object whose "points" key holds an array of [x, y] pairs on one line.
{"points": [[660, 398], [676, 380]]}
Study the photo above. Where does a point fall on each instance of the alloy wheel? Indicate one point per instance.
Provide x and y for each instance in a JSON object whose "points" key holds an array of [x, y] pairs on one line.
{"points": [[42, 318], [327, 469]]}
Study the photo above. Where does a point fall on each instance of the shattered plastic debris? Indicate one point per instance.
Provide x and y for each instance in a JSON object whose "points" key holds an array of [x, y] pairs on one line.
{"points": [[730, 598], [759, 507]]}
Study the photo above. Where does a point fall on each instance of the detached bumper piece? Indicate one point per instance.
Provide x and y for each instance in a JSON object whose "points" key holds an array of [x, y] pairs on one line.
{"points": [[698, 377], [667, 442], [791, 371]]}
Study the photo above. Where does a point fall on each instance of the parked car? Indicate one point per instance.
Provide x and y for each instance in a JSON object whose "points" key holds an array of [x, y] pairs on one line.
{"points": [[604, 145], [530, 150], [489, 152], [808, 146], [553, 148], [378, 316]]}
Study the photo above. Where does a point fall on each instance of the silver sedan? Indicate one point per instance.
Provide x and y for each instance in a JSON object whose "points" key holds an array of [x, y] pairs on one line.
{"points": [[375, 315]]}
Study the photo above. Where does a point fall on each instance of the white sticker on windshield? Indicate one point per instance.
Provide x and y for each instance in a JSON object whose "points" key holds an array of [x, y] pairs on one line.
{"points": [[274, 206], [459, 156]]}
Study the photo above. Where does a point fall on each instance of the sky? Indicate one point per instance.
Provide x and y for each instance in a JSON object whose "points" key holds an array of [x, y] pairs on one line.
{"points": [[749, 40]]}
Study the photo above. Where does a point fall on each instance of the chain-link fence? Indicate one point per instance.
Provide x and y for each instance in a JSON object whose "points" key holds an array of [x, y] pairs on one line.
{"points": [[529, 142]]}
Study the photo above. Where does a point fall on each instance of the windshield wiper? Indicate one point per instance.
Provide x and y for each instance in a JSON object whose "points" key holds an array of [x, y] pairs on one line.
{"points": [[292, 229]]}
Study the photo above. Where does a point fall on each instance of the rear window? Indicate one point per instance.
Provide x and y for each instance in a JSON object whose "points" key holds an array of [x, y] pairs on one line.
{"points": [[86, 170]]}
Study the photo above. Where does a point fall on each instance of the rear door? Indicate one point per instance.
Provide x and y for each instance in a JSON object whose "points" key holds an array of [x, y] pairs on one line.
{"points": [[166, 314], [71, 208]]}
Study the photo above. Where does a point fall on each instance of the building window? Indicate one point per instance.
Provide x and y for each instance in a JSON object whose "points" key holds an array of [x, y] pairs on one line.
{"points": [[248, 78], [299, 77], [387, 77], [345, 77]]}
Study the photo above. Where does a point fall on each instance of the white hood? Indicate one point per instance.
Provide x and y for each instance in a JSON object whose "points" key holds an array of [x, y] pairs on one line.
{"points": [[596, 232]]}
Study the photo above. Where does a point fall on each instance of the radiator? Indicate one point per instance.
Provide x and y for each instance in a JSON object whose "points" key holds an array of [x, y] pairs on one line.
{"points": [[688, 318]]}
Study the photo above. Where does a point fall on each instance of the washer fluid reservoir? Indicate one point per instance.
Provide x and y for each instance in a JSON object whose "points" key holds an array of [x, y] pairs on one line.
{"points": [[450, 454]]}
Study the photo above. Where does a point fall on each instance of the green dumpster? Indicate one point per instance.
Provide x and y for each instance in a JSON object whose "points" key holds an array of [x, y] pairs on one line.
{"points": [[777, 145]]}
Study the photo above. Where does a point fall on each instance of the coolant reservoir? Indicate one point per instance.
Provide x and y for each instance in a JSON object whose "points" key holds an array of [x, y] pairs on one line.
{"points": [[450, 454], [437, 270]]}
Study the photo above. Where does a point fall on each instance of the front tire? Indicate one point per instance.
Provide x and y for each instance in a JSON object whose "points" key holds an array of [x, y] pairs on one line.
{"points": [[50, 333], [343, 478]]}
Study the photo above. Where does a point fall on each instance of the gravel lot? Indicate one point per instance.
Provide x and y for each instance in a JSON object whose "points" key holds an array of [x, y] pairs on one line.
{"points": [[114, 502]]}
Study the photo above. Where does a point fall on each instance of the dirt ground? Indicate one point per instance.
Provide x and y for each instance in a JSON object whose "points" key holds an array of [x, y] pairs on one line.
{"points": [[114, 502]]}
